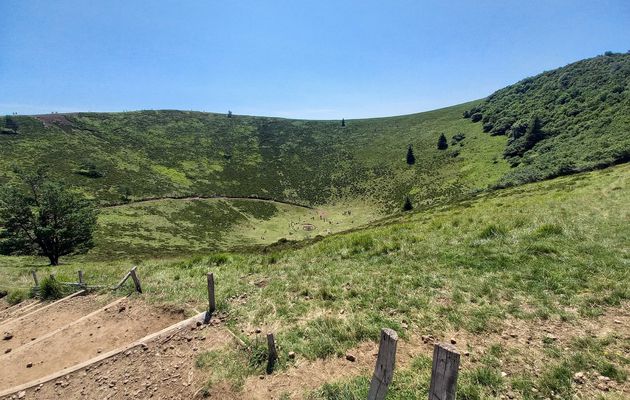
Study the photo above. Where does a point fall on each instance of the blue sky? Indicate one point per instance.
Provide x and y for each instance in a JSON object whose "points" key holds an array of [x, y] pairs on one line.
{"points": [[319, 59]]}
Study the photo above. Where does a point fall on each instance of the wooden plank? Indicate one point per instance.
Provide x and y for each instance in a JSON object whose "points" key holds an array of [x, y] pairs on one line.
{"points": [[76, 321], [385, 362], [136, 281], [444, 372], [122, 282], [105, 356], [42, 308], [273, 354]]}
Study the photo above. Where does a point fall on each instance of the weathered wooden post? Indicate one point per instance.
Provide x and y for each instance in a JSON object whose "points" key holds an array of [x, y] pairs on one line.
{"points": [[136, 281], [385, 362], [273, 354], [80, 278], [35, 278], [444, 372], [212, 306]]}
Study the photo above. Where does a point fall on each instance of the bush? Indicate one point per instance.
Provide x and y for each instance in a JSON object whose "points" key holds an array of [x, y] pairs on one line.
{"points": [[50, 289], [442, 144], [476, 117], [16, 296]]}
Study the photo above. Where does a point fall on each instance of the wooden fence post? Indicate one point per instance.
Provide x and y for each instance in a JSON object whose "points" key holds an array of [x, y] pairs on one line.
{"points": [[273, 354], [212, 306], [444, 372], [35, 278], [136, 281], [385, 362], [80, 278]]}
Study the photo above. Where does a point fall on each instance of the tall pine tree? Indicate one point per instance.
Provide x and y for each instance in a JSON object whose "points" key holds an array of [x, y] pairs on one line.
{"points": [[411, 159], [442, 143]]}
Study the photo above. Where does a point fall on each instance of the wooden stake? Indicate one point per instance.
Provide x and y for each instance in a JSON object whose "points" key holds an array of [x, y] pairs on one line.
{"points": [[35, 278], [136, 281], [80, 278], [273, 354], [212, 306], [384, 370], [444, 372]]}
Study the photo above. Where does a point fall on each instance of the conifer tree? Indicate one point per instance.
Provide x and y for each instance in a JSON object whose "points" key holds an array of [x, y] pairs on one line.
{"points": [[442, 143], [407, 206], [411, 159]]}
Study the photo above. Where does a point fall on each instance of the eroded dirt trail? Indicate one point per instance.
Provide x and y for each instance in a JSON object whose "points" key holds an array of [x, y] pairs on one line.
{"points": [[82, 339], [24, 330], [162, 369]]}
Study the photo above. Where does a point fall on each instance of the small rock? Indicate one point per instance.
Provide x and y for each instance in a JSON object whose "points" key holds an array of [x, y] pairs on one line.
{"points": [[261, 377], [258, 330], [29, 365], [21, 394], [291, 355], [467, 353], [122, 308], [578, 377], [350, 357], [453, 341], [617, 321], [199, 323], [503, 374], [7, 351], [7, 336]]}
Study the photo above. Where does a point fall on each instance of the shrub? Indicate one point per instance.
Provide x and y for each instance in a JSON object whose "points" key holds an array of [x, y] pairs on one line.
{"points": [[16, 296], [476, 117], [407, 206], [50, 289], [442, 144]]}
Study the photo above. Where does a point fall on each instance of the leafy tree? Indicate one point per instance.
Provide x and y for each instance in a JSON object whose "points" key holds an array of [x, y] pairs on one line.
{"points": [[407, 206], [229, 114], [343, 122], [42, 217], [411, 159], [442, 143]]}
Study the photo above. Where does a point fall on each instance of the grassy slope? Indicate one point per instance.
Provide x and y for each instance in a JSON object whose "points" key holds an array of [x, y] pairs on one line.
{"points": [[168, 228], [554, 250], [159, 153], [169, 153]]}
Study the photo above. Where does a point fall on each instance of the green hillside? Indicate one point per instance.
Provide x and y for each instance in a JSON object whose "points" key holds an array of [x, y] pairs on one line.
{"points": [[548, 256], [571, 119], [568, 120], [148, 154]]}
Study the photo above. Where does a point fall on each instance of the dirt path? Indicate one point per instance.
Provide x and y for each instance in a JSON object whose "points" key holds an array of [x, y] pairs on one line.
{"points": [[162, 369], [83, 339], [210, 197], [11, 312], [60, 314]]}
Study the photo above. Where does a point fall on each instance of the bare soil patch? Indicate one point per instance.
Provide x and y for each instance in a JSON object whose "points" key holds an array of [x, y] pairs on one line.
{"points": [[82, 340], [58, 315], [161, 369], [16, 311]]}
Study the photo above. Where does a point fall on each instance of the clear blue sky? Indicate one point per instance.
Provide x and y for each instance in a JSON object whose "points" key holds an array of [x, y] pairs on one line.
{"points": [[306, 59]]}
